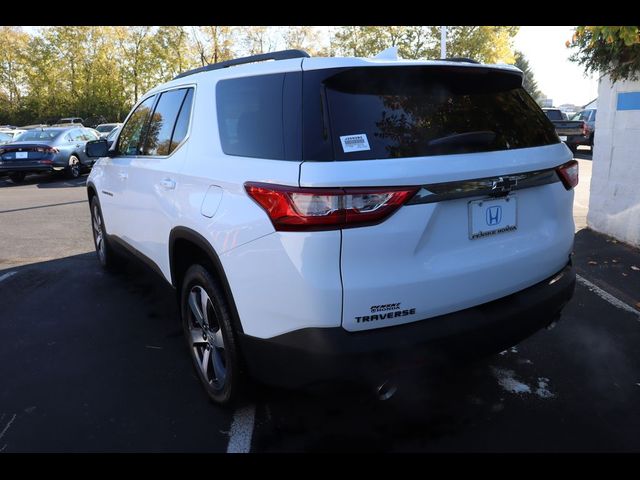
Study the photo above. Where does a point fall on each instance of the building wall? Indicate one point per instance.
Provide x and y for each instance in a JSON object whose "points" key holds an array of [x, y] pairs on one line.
{"points": [[614, 203]]}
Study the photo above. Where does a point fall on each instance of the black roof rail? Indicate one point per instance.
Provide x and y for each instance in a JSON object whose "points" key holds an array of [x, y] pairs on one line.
{"points": [[461, 59], [280, 55]]}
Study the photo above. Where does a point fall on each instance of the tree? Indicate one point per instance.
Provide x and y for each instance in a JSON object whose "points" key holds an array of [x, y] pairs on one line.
{"points": [[214, 43], [12, 70], [256, 40], [606, 49], [304, 38], [529, 83], [489, 44]]}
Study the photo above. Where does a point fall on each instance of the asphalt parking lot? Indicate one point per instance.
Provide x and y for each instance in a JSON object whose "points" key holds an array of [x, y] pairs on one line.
{"points": [[92, 361]]}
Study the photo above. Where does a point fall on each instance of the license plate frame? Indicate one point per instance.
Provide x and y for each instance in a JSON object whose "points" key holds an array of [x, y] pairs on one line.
{"points": [[492, 216]]}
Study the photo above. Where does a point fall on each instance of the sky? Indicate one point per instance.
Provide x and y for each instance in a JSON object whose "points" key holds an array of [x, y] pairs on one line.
{"points": [[544, 47], [561, 80]]}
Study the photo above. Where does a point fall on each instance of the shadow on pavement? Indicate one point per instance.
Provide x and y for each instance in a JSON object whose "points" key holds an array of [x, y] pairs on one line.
{"points": [[46, 180]]}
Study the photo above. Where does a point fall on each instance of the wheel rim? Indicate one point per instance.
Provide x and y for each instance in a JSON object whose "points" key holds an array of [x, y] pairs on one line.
{"points": [[98, 235], [75, 167], [206, 339]]}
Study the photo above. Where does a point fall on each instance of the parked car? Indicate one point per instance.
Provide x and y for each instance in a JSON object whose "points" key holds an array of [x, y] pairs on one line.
{"points": [[112, 136], [341, 218], [12, 132], [38, 125], [106, 128], [569, 131], [71, 120], [47, 150], [587, 116], [5, 137]]}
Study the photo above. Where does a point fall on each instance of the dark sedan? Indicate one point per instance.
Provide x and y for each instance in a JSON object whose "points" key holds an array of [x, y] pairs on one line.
{"points": [[47, 150]]}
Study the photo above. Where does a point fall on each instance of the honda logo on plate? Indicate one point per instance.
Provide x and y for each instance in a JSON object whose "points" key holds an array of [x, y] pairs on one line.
{"points": [[494, 215]]}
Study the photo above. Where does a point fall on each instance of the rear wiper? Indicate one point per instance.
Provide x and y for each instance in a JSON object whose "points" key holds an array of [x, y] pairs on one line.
{"points": [[480, 136]]}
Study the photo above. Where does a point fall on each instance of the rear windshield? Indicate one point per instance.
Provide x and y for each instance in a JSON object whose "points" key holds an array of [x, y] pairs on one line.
{"points": [[105, 128], [390, 112], [32, 135], [554, 114]]}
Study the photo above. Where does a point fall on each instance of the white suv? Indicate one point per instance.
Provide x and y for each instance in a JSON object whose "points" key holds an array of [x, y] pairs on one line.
{"points": [[326, 218]]}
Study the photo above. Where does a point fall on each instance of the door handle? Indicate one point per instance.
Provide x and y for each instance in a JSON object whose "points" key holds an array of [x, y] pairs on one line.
{"points": [[123, 175], [168, 183]]}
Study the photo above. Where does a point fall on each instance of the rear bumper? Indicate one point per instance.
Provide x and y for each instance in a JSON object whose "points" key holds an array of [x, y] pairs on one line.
{"points": [[575, 140], [313, 355], [33, 168]]}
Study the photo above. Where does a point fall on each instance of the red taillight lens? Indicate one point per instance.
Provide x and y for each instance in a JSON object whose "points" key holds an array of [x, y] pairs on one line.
{"points": [[585, 128], [46, 150], [304, 209], [568, 173]]}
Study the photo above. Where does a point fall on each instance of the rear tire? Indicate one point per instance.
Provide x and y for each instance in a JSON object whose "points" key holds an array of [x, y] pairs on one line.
{"points": [[210, 337], [17, 177], [74, 168], [109, 259]]}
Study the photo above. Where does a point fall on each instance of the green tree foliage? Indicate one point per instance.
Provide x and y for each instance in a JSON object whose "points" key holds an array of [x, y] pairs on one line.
{"points": [[529, 83], [490, 44], [607, 49]]}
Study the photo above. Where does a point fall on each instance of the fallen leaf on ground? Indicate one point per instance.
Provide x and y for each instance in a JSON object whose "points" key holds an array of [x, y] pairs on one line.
{"points": [[638, 305], [591, 262], [614, 261], [633, 267], [624, 274]]}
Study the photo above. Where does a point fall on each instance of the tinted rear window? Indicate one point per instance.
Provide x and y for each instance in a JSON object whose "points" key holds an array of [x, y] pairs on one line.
{"points": [[259, 116], [554, 114], [391, 112]]}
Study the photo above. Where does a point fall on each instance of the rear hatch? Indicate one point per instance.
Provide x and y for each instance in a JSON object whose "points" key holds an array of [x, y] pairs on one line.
{"points": [[490, 215]]}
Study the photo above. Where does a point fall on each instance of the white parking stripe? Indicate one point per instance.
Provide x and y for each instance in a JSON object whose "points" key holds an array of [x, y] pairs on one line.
{"points": [[616, 302], [242, 430], [13, 417], [6, 275]]}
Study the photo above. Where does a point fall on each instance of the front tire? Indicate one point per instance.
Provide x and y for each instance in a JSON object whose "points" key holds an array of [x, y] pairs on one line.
{"points": [[106, 255], [17, 177], [210, 337]]}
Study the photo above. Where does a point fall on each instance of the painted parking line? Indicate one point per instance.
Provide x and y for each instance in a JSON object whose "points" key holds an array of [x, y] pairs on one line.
{"points": [[7, 275], [616, 302], [242, 430]]}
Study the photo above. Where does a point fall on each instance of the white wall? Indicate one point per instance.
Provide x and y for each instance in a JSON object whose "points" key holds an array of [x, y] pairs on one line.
{"points": [[614, 204]]}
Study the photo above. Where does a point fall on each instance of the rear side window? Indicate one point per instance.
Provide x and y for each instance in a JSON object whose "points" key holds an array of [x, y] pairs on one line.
{"points": [[132, 131], [390, 112], [182, 124], [163, 121], [259, 116]]}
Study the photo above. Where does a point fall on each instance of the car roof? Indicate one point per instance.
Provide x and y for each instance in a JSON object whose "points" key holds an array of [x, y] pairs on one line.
{"points": [[315, 63]]}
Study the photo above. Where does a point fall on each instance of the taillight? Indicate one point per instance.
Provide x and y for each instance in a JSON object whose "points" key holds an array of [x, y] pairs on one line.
{"points": [[47, 150], [568, 173], [585, 128], [304, 209]]}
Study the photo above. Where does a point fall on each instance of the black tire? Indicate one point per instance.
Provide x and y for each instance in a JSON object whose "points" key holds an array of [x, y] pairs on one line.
{"points": [[17, 177], [219, 321], [75, 167], [108, 258]]}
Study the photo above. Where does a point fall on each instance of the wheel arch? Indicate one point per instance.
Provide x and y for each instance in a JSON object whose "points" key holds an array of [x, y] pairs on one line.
{"points": [[187, 245]]}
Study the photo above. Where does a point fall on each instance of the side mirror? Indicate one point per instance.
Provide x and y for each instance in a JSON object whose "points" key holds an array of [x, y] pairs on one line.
{"points": [[97, 148]]}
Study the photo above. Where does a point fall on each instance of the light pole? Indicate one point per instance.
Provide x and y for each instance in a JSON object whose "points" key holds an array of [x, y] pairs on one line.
{"points": [[443, 42]]}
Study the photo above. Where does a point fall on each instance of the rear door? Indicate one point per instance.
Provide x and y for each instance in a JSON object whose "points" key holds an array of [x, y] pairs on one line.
{"points": [[490, 216]]}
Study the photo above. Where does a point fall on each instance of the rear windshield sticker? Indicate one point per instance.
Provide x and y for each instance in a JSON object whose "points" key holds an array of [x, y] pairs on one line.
{"points": [[355, 143]]}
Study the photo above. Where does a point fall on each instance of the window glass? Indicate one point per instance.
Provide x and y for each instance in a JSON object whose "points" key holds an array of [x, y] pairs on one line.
{"points": [[554, 114], [250, 116], [132, 131], [163, 120], [182, 124], [388, 112], [593, 115]]}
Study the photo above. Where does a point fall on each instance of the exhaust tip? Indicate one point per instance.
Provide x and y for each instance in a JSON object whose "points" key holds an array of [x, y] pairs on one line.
{"points": [[386, 390]]}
